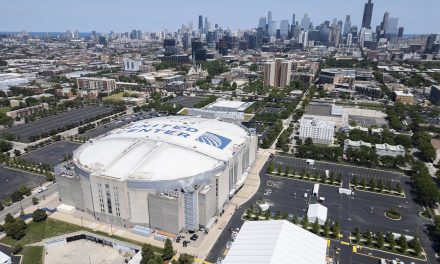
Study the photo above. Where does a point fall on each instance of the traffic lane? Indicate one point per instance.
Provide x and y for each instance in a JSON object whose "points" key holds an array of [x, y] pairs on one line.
{"points": [[377, 255]]}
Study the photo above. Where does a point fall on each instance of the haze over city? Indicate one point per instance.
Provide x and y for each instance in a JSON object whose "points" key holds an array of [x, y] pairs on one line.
{"points": [[418, 17], [220, 132]]}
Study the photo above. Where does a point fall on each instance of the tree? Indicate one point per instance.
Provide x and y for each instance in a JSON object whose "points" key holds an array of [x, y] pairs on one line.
{"points": [[16, 230], [364, 183], [368, 238], [147, 253], [39, 215], [286, 170], [398, 188], [16, 248], [403, 244], [415, 244], [294, 219], [336, 229], [380, 241], [270, 167], [1, 206], [308, 142], [17, 152], [357, 234], [390, 240], [326, 228], [316, 227], [35, 200], [372, 184], [9, 219], [305, 222], [5, 146], [380, 185], [168, 251], [186, 259]]}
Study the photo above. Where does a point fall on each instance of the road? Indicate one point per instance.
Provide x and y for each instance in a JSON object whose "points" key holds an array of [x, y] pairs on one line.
{"points": [[17, 207]]}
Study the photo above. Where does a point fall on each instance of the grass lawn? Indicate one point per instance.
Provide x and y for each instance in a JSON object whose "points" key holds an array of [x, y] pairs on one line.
{"points": [[36, 232], [113, 97], [32, 255], [5, 109]]}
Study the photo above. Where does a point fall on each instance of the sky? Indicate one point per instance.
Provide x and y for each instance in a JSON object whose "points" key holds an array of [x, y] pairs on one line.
{"points": [[417, 16]]}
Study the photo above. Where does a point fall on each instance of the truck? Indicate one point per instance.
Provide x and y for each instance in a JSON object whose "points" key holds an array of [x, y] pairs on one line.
{"points": [[315, 189]]}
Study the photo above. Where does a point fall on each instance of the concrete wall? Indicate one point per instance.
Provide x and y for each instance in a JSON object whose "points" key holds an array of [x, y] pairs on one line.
{"points": [[166, 213], [70, 191]]}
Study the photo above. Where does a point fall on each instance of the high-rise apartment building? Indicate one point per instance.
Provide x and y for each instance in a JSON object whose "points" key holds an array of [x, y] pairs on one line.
{"points": [[200, 23], [319, 131], [368, 14], [277, 73]]}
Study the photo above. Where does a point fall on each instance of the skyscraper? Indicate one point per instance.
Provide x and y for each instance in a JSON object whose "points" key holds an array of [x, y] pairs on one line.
{"points": [[400, 32], [305, 22], [293, 19], [347, 25], [200, 23], [392, 26], [272, 28], [384, 24], [368, 14], [277, 73], [284, 29], [269, 17], [262, 23]]}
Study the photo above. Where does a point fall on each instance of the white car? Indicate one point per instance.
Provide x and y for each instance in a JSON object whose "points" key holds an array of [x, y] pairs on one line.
{"points": [[42, 189]]}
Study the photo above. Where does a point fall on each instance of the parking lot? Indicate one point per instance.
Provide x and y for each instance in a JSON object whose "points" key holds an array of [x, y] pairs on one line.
{"points": [[346, 171], [47, 124], [187, 101], [11, 180], [363, 209], [51, 154]]}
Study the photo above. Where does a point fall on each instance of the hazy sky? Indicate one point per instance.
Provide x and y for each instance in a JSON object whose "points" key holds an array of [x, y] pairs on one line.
{"points": [[417, 16]]}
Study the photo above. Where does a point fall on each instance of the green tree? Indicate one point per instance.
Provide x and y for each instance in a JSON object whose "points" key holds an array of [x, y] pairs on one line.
{"points": [[305, 222], [34, 201], [380, 241], [308, 142], [368, 238], [357, 234], [168, 251], [270, 167], [372, 184], [403, 243], [147, 253], [280, 170], [380, 185], [186, 259], [316, 227], [294, 219], [326, 228], [286, 170], [364, 183], [415, 244], [336, 228], [39, 215], [391, 241]]}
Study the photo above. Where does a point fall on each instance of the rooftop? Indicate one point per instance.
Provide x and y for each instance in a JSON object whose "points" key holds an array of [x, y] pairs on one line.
{"points": [[276, 241], [162, 149]]}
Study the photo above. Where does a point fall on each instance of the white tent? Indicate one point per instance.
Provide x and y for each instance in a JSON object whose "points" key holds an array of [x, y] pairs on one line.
{"points": [[276, 241], [317, 211], [5, 259]]}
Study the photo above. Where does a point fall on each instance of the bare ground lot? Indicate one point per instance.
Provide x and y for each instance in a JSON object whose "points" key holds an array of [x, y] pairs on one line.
{"points": [[83, 252]]}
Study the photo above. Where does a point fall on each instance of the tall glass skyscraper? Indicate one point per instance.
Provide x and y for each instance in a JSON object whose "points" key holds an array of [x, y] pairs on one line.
{"points": [[368, 14]]}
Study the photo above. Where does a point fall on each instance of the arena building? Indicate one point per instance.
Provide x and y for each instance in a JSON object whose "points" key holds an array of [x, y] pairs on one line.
{"points": [[167, 173]]}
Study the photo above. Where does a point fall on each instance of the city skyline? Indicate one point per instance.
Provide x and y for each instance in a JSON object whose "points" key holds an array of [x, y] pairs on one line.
{"points": [[86, 16]]}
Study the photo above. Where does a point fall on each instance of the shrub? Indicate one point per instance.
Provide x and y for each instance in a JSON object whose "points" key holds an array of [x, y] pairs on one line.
{"points": [[39, 215]]}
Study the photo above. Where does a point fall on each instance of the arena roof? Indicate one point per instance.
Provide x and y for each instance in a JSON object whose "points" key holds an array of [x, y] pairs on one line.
{"points": [[162, 149]]}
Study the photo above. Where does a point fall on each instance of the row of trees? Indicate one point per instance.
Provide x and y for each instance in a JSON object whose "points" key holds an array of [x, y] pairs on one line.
{"points": [[149, 256], [316, 176], [272, 134], [427, 191], [328, 229], [388, 241], [376, 185]]}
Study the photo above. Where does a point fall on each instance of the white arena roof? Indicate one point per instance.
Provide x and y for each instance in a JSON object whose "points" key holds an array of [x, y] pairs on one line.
{"points": [[162, 149], [276, 241]]}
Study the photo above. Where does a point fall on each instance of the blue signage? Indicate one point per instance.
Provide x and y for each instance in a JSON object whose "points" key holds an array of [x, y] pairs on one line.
{"points": [[214, 140]]}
